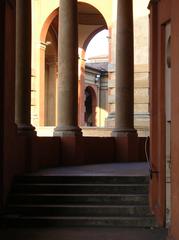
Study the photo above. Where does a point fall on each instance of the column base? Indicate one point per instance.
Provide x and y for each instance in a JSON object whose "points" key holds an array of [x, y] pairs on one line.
{"points": [[26, 130], [68, 131], [124, 133]]}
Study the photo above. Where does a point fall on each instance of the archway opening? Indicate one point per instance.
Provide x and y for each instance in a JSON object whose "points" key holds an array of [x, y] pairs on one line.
{"points": [[90, 107], [96, 73], [50, 75], [98, 46]]}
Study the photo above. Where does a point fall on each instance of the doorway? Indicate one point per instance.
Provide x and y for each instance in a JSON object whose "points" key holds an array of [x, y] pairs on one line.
{"points": [[90, 107]]}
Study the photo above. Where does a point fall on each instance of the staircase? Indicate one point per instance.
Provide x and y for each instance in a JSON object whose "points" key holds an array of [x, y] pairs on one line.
{"points": [[79, 201]]}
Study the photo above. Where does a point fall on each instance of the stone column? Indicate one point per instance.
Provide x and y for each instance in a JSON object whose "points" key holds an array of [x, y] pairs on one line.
{"points": [[67, 119], [23, 68], [124, 122]]}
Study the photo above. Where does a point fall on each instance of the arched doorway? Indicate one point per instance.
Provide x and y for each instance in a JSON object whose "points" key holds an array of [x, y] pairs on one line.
{"points": [[90, 107]]}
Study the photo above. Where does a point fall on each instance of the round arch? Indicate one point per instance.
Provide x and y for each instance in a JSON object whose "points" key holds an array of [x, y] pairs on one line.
{"points": [[54, 13], [90, 37], [47, 24]]}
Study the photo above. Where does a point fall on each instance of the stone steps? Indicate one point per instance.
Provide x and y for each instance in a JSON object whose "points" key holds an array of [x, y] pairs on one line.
{"points": [[79, 201], [80, 210], [110, 199], [27, 221], [50, 179], [81, 188]]}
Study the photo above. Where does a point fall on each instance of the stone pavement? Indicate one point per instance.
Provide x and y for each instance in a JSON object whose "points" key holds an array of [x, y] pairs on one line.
{"points": [[83, 234], [106, 169]]}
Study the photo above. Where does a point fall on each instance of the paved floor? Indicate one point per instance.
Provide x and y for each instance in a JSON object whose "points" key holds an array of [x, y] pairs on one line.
{"points": [[110, 169], [83, 234]]}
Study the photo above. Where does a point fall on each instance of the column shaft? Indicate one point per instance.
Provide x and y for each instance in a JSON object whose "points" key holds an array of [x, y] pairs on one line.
{"points": [[124, 122], [23, 67], [68, 70]]}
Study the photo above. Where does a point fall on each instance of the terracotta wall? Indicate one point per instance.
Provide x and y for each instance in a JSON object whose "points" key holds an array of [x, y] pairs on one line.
{"points": [[18, 154], [175, 120], [160, 14], [2, 54], [96, 150], [9, 148], [45, 152], [87, 150], [13, 148], [7, 97]]}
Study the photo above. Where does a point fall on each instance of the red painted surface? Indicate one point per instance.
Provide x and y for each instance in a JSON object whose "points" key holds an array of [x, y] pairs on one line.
{"points": [[130, 149], [159, 16], [161, 13], [96, 150], [45, 152], [9, 96], [87, 150], [153, 102], [2, 74], [13, 159], [175, 120]]}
